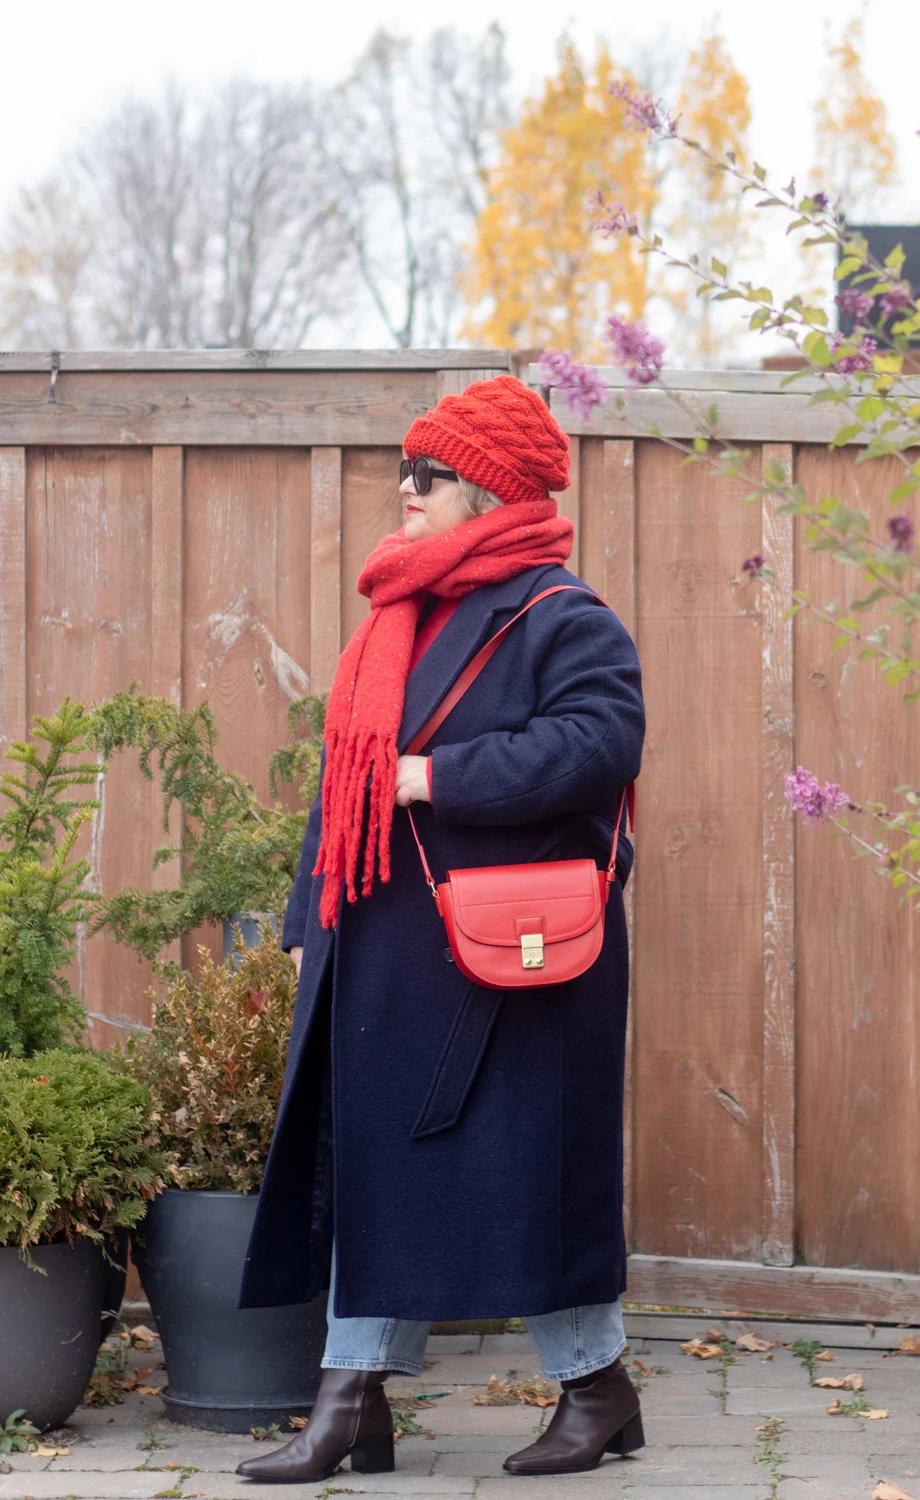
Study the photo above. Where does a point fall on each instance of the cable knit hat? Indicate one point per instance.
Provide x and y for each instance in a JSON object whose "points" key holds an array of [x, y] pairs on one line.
{"points": [[498, 434]]}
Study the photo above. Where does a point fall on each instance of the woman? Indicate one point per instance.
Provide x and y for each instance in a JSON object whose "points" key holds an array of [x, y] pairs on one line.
{"points": [[465, 1144]]}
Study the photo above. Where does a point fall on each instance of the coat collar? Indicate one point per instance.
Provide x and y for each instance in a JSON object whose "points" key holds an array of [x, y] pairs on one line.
{"points": [[468, 628]]}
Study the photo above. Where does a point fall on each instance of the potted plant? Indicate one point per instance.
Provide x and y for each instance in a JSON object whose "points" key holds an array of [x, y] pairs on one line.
{"points": [[77, 1162], [213, 1062], [43, 900]]}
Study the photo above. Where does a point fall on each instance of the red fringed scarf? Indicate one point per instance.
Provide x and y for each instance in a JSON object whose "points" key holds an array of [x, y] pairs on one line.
{"points": [[366, 701]]}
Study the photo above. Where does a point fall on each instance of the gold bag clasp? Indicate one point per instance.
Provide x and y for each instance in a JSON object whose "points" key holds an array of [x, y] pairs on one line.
{"points": [[532, 950]]}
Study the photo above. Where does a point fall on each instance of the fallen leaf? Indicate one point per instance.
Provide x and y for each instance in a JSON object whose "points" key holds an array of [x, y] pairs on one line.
{"points": [[142, 1337], [753, 1344], [297, 1424], [715, 1335], [885, 1491], [827, 1356], [910, 1345], [769, 1356], [701, 1350], [148, 1390], [841, 1382], [875, 1414], [41, 1452]]}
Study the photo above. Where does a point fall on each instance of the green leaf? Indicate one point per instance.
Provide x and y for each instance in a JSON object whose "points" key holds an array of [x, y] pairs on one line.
{"points": [[718, 268], [905, 490], [840, 640], [848, 264], [792, 610], [760, 172], [895, 260], [869, 599], [760, 294], [814, 346], [870, 407], [847, 434], [759, 318]]}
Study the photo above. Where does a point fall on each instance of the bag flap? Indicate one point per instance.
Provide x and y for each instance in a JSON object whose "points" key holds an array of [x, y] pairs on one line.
{"points": [[560, 899]]}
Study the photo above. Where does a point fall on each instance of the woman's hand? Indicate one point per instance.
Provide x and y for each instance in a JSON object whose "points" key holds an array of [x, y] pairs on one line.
{"points": [[412, 779], [297, 956]]}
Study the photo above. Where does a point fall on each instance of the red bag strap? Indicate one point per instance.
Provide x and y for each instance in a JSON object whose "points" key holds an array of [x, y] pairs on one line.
{"points": [[467, 677]]}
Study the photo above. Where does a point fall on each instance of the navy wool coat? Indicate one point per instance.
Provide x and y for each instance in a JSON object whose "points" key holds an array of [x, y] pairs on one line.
{"points": [[466, 1144]]}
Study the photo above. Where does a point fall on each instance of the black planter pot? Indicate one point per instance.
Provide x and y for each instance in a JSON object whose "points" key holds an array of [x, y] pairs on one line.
{"points": [[49, 1329], [115, 1276], [228, 1369]]}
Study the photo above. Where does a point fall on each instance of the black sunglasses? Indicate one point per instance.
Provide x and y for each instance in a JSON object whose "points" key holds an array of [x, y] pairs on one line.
{"points": [[422, 472]]}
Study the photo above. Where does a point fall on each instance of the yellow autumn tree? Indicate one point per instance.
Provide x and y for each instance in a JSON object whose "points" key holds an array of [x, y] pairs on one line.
{"points": [[538, 274], [708, 216], [857, 157]]}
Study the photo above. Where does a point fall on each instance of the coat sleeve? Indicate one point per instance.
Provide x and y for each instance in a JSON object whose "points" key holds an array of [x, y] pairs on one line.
{"points": [[295, 917], [584, 739]]}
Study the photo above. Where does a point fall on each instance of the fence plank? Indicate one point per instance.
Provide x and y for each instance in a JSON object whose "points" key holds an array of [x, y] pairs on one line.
{"points": [[452, 381], [569, 502], [325, 566], [747, 416], [490, 361], [791, 1291], [762, 382], [167, 532], [88, 634], [698, 958], [857, 969], [264, 407], [778, 755], [371, 508], [618, 587], [13, 692]]}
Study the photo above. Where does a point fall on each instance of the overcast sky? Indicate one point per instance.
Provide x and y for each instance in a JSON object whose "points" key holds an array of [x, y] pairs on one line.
{"points": [[67, 63]]}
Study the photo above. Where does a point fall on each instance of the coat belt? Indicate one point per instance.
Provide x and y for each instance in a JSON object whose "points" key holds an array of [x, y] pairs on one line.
{"points": [[459, 1062]]}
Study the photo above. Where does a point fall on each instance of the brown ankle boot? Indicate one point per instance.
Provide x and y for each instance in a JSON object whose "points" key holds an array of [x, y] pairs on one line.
{"points": [[351, 1415], [597, 1414]]}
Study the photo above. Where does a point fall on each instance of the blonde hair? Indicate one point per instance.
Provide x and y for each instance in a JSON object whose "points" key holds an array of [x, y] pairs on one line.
{"points": [[476, 500]]}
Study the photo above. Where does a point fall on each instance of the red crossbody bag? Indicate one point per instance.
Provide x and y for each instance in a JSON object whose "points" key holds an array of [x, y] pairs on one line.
{"points": [[516, 926]]}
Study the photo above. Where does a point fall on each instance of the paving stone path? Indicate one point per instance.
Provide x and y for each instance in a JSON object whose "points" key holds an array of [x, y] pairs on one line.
{"points": [[708, 1428]]}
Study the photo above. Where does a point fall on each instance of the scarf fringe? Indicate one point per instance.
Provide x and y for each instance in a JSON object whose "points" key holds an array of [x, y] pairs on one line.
{"points": [[363, 757]]}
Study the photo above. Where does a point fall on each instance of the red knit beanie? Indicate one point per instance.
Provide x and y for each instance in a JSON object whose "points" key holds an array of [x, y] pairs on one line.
{"points": [[498, 434]]}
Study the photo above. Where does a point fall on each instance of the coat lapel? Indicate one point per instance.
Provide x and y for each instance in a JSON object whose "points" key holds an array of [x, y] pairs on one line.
{"points": [[468, 628]]}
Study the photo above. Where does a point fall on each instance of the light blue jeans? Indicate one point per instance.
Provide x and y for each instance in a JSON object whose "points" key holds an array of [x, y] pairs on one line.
{"points": [[572, 1342]]}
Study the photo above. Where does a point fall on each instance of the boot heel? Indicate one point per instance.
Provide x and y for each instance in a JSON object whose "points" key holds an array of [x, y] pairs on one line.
{"points": [[375, 1457], [629, 1438]]}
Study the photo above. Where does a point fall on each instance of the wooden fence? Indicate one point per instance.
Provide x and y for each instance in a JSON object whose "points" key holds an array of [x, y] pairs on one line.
{"points": [[197, 521]]}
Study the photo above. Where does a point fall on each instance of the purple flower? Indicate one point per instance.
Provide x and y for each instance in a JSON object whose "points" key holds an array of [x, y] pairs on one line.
{"points": [[586, 388], [752, 565], [810, 799], [821, 201], [901, 531], [854, 304], [616, 218], [859, 359], [898, 297], [643, 111], [641, 352]]}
